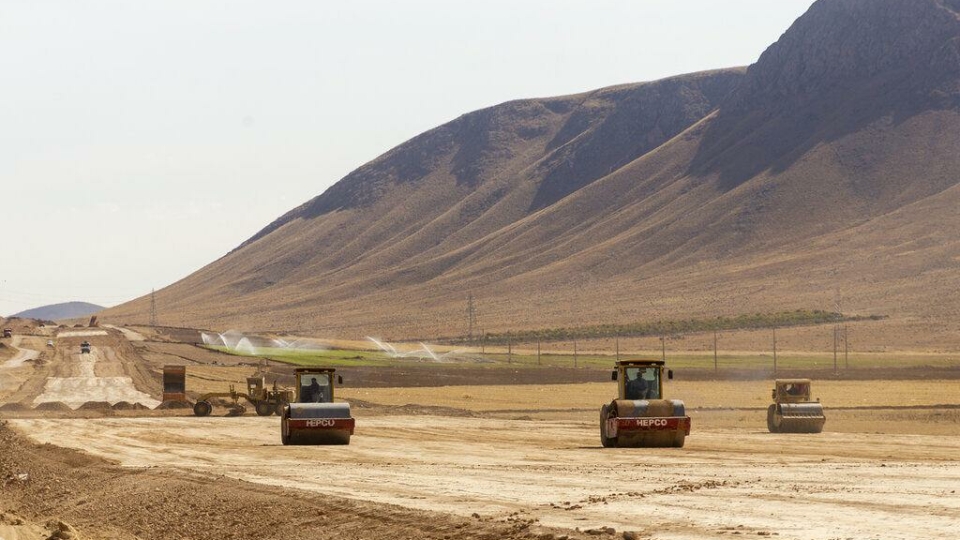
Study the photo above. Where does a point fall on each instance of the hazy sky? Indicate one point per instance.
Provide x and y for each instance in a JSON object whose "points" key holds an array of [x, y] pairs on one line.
{"points": [[140, 141]]}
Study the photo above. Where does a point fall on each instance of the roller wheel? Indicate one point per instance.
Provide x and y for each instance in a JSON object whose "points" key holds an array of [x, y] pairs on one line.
{"points": [[202, 408], [772, 419], [284, 429], [607, 442], [678, 439], [264, 408]]}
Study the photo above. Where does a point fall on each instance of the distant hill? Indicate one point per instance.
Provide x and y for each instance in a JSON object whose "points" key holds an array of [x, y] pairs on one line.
{"points": [[56, 312], [828, 169]]}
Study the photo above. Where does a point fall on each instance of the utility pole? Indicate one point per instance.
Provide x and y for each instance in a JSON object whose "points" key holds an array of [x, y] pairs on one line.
{"points": [[835, 332], [774, 351], [846, 349], [574, 352], [538, 350], [838, 300], [471, 317], [509, 351], [617, 347], [663, 348], [153, 307], [716, 365]]}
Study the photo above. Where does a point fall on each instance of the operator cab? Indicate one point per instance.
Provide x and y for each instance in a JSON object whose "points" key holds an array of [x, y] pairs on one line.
{"points": [[316, 386], [640, 379], [642, 383], [792, 390]]}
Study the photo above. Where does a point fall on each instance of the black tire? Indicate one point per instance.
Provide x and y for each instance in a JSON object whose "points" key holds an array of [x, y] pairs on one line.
{"points": [[678, 439], [278, 410], [771, 419], [202, 408], [263, 408], [607, 442], [284, 427]]}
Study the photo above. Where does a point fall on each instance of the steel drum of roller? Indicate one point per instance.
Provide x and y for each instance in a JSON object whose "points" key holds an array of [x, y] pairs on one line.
{"points": [[317, 423]]}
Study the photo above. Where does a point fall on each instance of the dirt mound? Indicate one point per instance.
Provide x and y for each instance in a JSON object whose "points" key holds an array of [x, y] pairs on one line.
{"points": [[127, 406], [95, 406], [175, 405], [13, 407], [53, 406]]}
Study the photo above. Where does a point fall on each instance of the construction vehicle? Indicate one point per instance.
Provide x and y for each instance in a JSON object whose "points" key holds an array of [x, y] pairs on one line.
{"points": [[265, 401], [85, 347], [174, 383], [312, 417], [793, 409], [640, 417], [7, 332]]}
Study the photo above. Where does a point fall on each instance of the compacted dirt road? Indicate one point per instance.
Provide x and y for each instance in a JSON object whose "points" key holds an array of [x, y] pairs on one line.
{"points": [[554, 473], [458, 462]]}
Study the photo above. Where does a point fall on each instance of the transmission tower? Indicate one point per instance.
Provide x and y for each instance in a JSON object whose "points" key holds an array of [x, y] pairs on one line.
{"points": [[153, 307], [471, 317]]}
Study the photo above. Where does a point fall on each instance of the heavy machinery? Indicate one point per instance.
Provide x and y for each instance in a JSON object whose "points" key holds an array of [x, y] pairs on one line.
{"points": [[312, 417], [793, 409], [640, 417], [85, 347], [7, 332], [265, 401], [174, 383]]}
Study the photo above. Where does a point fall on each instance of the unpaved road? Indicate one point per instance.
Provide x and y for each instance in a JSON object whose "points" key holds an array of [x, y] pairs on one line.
{"points": [[23, 355], [92, 377], [824, 486], [483, 462], [62, 374]]}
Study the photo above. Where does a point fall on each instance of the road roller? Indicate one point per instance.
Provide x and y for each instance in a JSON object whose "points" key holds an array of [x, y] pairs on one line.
{"points": [[793, 409], [640, 417], [312, 417]]}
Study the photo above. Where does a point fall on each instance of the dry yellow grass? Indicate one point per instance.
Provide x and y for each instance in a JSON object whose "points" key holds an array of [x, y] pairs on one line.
{"points": [[695, 394]]}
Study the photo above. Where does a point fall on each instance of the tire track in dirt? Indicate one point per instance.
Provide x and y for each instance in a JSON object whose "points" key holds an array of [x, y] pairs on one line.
{"points": [[555, 474], [97, 376]]}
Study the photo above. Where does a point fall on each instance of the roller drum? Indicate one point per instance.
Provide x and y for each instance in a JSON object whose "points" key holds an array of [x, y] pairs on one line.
{"points": [[655, 423], [799, 418], [316, 423]]}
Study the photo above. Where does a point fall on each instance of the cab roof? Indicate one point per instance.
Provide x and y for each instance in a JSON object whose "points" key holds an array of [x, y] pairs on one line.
{"points": [[640, 362]]}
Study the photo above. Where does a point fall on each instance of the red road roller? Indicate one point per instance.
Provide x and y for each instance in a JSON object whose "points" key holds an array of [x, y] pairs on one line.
{"points": [[313, 417]]}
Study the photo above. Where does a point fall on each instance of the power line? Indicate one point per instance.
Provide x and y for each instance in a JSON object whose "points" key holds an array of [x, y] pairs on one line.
{"points": [[153, 307]]}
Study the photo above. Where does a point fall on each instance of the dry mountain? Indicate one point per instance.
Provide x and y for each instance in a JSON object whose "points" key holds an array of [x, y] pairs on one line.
{"points": [[831, 164]]}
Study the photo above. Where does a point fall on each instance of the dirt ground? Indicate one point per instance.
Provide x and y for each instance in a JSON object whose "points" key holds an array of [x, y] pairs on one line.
{"points": [[475, 459]]}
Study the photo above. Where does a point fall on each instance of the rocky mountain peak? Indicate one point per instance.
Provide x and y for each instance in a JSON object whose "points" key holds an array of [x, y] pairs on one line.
{"points": [[908, 47]]}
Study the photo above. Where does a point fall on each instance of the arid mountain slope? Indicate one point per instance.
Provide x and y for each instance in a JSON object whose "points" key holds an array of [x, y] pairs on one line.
{"points": [[830, 164]]}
